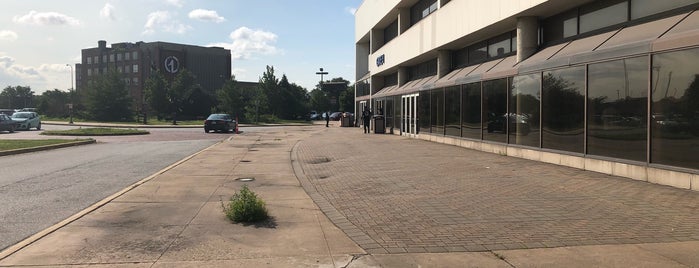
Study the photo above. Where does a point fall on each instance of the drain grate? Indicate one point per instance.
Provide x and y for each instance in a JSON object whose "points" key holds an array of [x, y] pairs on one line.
{"points": [[245, 161], [245, 179]]}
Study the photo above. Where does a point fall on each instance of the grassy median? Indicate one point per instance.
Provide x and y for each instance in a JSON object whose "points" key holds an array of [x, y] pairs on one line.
{"points": [[100, 131], [6, 145]]}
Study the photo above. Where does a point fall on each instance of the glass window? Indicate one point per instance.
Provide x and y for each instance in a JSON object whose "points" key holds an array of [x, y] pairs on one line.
{"points": [[675, 108], [423, 70], [422, 9], [471, 111], [437, 111], [127, 69], [397, 118], [89, 72], [119, 69], [135, 55], [525, 110], [423, 112], [459, 58], [390, 32], [388, 112], [617, 108], [111, 57], [120, 57], [96, 59], [499, 46], [89, 60], [135, 80], [596, 17], [563, 109], [452, 115], [135, 68], [643, 8], [390, 80], [561, 26], [478, 53], [127, 56], [104, 58], [495, 110]]}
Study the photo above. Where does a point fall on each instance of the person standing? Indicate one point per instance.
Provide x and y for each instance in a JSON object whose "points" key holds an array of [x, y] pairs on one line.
{"points": [[366, 117], [327, 119]]}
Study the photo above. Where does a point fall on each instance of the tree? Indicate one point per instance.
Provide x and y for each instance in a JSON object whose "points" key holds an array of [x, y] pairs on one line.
{"points": [[109, 99], [155, 91], [179, 92], [319, 100], [54, 103], [233, 99], [347, 99], [295, 100], [8, 95], [171, 97], [269, 84]]}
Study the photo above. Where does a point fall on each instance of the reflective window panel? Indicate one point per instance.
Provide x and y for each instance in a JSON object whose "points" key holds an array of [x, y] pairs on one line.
{"points": [[437, 111], [605, 14], [452, 116], [617, 100], [471, 111], [675, 108], [525, 110], [423, 112], [495, 110], [563, 109], [643, 8]]}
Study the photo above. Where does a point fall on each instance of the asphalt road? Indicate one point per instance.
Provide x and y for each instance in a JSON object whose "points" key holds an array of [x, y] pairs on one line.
{"points": [[40, 189]]}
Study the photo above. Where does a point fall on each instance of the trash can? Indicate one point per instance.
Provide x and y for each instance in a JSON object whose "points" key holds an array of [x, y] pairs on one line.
{"points": [[379, 124], [346, 121]]}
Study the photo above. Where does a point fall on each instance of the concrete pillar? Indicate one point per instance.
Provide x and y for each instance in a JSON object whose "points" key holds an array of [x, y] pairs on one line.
{"points": [[362, 60], [402, 76], [443, 63], [403, 20], [527, 37]]}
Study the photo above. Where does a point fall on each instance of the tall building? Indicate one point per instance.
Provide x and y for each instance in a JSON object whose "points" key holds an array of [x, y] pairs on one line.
{"points": [[610, 86], [137, 61]]}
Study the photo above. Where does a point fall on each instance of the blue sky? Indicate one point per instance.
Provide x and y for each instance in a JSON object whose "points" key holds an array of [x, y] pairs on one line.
{"points": [[38, 37]]}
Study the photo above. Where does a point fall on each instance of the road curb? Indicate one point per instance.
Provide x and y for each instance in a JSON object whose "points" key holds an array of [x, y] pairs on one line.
{"points": [[46, 147]]}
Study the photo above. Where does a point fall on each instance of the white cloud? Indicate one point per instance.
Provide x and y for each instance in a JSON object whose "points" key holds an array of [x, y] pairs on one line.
{"points": [[247, 42], [107, 12], [177, 3], [8, 35], [46, 18], [45, 77], [351, 10], [206, 15], [163, 21]]}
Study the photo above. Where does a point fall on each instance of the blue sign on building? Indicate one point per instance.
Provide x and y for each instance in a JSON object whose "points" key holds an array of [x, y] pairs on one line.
{"points": [[380, 60]]}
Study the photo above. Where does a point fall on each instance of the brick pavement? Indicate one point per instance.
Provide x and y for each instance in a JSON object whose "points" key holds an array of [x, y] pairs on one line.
{"points": [[392, 194]]}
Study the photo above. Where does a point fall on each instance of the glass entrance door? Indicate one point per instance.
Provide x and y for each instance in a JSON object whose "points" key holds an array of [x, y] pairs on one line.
{"points": [[409, 115]]}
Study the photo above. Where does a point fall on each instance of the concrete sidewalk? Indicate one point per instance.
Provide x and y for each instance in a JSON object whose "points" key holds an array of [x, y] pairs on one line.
{"points": [[340, 198]]}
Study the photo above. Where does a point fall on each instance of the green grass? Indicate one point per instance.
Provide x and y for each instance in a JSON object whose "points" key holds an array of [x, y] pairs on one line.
{"points": [[95, 132], [22, 144], [151, 122]]}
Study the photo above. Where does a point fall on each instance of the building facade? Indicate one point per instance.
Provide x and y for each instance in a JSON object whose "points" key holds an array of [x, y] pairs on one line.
{"points": [[137, 61], [610, 86]]}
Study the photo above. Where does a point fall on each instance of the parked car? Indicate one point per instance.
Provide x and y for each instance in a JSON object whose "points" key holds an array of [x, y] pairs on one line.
{"points": [[313, 115], [335, 116], [7, 124], [220, 122], [7, 112], [27, 120]]}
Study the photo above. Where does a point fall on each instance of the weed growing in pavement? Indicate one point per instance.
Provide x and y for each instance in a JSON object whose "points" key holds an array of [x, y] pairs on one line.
{"points": [[245, 206]]}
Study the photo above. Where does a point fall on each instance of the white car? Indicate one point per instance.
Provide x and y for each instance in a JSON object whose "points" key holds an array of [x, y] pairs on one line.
{"points": [[27, 120]]}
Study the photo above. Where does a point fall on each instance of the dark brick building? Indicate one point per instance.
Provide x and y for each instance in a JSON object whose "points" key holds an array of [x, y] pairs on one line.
{"points": [[137, 61]]}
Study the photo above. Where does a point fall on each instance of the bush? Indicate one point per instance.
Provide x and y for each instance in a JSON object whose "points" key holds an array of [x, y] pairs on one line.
{"points": [[245, 206]]}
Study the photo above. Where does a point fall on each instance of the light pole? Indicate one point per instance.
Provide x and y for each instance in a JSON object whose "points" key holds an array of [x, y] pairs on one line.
{"points": [[321, 73], [70, 105]]}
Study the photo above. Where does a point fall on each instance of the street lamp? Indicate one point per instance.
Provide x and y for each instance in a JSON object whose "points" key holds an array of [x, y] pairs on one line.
{"points": [[70, 105], [321, 73]]}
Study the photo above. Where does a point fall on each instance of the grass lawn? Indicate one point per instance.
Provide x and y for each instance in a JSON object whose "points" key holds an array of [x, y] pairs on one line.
{"points": [[21, 144], [95, 132]]}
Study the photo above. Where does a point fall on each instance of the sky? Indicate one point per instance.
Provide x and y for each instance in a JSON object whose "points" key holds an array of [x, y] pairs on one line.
{"points": [[297, 37]]}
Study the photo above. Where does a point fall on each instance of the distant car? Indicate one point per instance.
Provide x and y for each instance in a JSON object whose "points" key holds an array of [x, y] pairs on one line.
{"points": [[7, 112], [27, 120], [335, 116], [7, 124], [314, 115], [220, 122]]}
